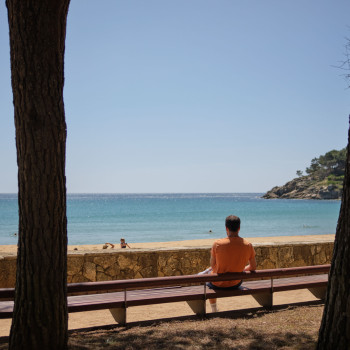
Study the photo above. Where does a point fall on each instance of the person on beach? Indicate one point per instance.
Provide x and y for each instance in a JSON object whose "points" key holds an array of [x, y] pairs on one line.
{"points": [[123, 244], [230, 254], [105, 246]]}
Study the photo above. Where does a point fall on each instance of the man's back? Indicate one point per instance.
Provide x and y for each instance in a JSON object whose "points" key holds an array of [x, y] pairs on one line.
{"points": [[231, 255]]}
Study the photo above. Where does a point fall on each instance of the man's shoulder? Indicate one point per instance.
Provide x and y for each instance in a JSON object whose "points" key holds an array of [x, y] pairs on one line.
{"points": [[222, 241], [236, 241], [245, 241]]}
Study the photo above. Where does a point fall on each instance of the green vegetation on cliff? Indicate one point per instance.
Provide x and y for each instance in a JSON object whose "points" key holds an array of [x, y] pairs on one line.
{"points": [[324, 179], [328, 169]]}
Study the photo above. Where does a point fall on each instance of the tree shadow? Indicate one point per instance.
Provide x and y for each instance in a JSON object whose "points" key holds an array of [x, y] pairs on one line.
{"points": [[193, 339], [218, 331]]}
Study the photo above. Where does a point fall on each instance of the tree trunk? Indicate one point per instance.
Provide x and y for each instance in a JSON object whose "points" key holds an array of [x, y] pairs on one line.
{"points": [[37, 42], [335, 326]]}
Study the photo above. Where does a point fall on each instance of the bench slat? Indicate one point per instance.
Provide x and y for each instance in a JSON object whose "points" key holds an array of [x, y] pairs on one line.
{"points": [[300, 282], [6, 309]]}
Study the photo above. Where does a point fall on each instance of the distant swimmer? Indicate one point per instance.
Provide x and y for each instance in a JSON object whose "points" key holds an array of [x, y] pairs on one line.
{"points": [[14, 234], [210, 231], [123, 244]]}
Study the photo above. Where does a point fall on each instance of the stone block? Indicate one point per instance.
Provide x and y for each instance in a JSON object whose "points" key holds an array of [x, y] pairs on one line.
{"points": [[7, 272], [89, 271], [104, 260]]}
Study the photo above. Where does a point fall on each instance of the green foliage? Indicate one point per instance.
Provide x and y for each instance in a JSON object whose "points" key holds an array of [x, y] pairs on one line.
{"points": [[299, 173], [331, 163], [314, 167], [335, 180]]}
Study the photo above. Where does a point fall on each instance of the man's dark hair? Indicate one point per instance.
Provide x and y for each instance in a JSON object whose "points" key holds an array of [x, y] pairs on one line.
{"points": [[233, 223]]}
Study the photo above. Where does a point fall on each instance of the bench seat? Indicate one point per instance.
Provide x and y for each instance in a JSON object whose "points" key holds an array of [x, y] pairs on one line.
{"points": [[196, 295]]}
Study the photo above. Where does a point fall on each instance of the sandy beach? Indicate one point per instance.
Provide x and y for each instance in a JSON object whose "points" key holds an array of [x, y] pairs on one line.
{"points": [[153, 312], [12, 249]]}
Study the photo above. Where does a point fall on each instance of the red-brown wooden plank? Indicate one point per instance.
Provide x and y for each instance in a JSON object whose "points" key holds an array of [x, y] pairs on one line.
{"points": [[175, 280], [177, 293], [6, 309]]}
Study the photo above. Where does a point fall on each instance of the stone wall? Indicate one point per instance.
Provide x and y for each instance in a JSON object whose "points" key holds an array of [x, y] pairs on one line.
{"points": [[101, 266]]}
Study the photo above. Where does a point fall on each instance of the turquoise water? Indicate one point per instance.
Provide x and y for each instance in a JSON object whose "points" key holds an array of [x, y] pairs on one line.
{"points": [[100, 218]]}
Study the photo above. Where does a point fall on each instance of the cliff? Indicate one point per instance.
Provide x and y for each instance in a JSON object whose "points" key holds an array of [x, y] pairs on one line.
{"points": [[306, 187], [324, 179]]}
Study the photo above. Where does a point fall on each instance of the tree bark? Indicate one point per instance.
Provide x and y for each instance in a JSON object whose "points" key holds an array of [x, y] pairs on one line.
{"points": [[335, 326], [37, 43]]}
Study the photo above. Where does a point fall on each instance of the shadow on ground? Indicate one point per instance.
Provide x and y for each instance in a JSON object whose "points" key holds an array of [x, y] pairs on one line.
{"points": [[285, 327]]}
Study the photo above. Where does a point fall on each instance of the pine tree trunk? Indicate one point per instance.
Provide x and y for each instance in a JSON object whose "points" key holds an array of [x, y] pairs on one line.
{"points": [[335, 326], [37, 42]]}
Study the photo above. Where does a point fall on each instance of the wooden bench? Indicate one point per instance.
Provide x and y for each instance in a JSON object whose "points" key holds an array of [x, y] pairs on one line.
{"points": [[118, 295]]}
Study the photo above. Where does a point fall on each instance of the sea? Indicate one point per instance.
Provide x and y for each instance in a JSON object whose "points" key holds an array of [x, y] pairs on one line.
{"points": [[101, 218]]}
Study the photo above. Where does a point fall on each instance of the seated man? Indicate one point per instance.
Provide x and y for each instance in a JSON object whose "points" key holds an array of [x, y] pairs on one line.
{"points": [[231, 254]]}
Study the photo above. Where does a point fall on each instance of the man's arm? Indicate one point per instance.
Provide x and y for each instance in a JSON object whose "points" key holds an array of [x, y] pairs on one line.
{"points": [[252, 265], [212, 261], [212, 257]]}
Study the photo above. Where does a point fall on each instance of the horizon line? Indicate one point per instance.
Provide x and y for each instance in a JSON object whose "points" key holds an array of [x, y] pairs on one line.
{"points": [[150, 192]]}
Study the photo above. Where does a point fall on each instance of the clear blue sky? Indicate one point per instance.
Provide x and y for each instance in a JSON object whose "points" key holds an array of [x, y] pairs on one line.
{"points": [[194, 95]]}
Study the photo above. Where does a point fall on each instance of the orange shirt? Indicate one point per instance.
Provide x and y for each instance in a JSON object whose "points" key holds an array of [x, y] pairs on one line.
{"points": [[231, 254]]}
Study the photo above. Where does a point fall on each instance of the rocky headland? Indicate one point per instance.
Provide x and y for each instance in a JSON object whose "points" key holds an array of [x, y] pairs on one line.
{"points": [[305, 188], [324, 179]]}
